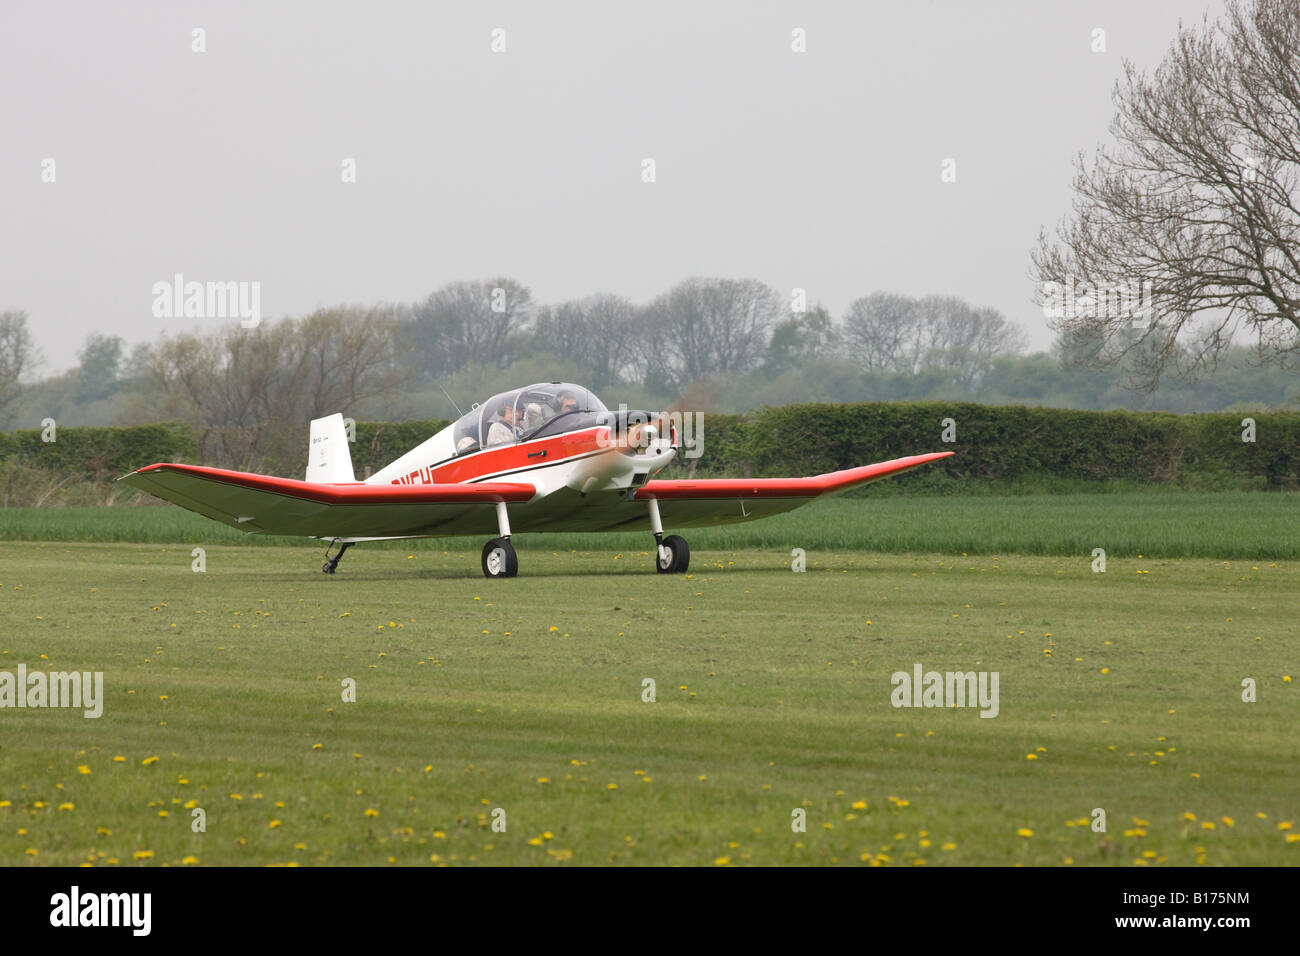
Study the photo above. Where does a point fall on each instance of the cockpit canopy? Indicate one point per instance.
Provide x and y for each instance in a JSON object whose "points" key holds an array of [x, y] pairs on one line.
{"points": [[547, 408]]}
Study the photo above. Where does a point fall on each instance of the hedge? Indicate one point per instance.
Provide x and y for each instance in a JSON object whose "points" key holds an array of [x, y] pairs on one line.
{"points": [[992, 444]]}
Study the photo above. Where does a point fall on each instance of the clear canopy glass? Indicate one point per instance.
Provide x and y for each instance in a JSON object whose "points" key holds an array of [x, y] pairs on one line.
{"points": [[523, 413]]}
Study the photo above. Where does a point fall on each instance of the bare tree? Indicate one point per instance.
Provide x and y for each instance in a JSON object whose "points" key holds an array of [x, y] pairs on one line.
{"points": [[964, 340], [1197, 197], [886, 332], [18, 357], [468, 322], [339, 357], [599, 332], [883, 332], [249, 389], [705, 327]]}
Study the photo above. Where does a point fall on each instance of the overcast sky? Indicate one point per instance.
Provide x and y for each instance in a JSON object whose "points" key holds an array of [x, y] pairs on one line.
{"points": [[820, 170]]}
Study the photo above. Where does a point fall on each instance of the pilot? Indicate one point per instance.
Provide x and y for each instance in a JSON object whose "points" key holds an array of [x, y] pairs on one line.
{"points": [[503, 428], [568, 402]]}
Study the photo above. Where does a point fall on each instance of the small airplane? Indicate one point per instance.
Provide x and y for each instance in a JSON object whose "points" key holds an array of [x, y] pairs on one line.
{"points": [[547, 457]]}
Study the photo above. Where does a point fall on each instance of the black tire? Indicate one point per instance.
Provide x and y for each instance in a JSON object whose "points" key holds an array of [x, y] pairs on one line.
{"points": [[499, 559], [673, 556]]}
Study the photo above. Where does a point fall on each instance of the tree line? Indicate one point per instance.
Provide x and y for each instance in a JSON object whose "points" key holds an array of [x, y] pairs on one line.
{"points": [[707, 344]]}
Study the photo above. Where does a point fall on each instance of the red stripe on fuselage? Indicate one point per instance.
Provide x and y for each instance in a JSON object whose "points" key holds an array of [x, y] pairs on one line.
{"points": [[512, 457]]}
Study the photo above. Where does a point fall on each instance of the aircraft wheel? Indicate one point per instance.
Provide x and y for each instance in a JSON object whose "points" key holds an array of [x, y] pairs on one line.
{"points": [[674, 555], [499, 559]]}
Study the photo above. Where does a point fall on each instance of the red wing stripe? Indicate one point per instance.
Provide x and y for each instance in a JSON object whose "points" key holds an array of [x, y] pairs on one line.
{"points": [[782, 487], [358, 493]]}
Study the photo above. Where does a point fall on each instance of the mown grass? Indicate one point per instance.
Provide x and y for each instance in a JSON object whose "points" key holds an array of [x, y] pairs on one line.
{"points": [[525, 696], [1249, 525]]}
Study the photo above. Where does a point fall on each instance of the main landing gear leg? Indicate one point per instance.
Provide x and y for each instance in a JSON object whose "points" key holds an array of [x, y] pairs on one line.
{"points": [[331, 564], [499, 558], [672, 555]]}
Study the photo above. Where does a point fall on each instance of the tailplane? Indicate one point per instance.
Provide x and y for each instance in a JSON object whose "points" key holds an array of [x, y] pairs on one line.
{"points": [[329, 460]]}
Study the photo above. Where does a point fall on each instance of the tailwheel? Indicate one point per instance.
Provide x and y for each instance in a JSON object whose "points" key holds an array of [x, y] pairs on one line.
{"points": [[673, 555], [499, 559], [331, 564]]}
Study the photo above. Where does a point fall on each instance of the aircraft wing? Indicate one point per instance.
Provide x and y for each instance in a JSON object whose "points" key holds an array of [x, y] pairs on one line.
{"points": [[687, 503], [261, 504], [830, 483]]}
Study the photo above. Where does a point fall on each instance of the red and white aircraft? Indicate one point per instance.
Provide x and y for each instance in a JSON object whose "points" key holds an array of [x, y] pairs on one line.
{"points": [[549, 457]]}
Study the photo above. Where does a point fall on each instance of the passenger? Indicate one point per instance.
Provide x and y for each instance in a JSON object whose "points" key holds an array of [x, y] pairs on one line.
{"points": [[503, 429], [532, 419]]}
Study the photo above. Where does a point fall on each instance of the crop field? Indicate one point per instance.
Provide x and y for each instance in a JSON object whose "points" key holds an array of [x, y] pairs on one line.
{"points": [[510, 722], [1170, 523]]}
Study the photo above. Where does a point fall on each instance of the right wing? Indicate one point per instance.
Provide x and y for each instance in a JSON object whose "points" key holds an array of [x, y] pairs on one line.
{"points": [[261, 504]]}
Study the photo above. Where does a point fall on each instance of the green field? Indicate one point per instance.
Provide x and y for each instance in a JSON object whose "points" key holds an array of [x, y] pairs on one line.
{"points": [[223, 692], [1164, 522]]}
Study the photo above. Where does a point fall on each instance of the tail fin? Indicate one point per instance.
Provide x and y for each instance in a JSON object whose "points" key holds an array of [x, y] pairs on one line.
{"points": [[328, 457]]}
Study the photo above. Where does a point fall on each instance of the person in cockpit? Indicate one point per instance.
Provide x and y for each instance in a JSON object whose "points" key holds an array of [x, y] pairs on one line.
{"points": [[533, 419], [503, 428]]}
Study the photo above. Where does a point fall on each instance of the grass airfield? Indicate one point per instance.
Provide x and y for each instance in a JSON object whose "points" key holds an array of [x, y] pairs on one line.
{"points": [[520, 702]]}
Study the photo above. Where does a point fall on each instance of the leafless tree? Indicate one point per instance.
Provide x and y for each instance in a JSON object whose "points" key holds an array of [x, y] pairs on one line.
{"points": [[964, 340], [883, 332], [1198, 197], [887, 332], [599, 332], [249, 387], [468, 322], [18, 357], [705, 327]]}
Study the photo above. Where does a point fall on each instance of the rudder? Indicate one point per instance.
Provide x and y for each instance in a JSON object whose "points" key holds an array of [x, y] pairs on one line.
{"points": [[328, 457]]}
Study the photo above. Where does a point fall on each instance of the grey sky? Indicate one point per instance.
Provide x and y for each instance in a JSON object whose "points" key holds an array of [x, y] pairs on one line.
{"points": [[819, 170]]}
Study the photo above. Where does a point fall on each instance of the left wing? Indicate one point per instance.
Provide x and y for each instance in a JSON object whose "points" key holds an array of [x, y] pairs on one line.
{"points": [[684, 503], [262, 504]]}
